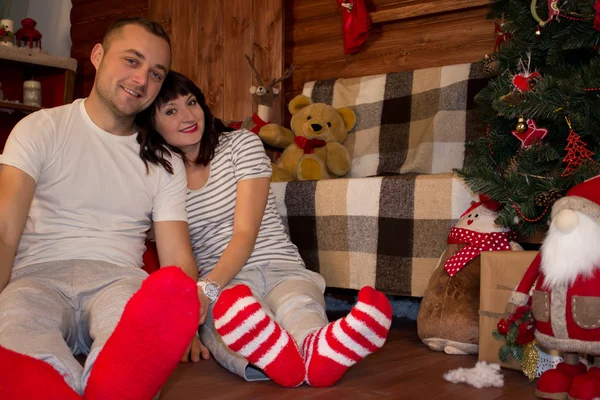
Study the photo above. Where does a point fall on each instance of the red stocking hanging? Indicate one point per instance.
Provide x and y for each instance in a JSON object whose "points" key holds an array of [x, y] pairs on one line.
{"points": [[355, 24], [597, 17]]}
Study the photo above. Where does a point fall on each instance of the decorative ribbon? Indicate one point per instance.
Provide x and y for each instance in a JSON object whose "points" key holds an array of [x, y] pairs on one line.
{"points": [[308, 145], [477, 242]]}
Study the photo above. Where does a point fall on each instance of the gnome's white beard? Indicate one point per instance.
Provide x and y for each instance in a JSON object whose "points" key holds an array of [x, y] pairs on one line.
{"points": [[567, 256]]}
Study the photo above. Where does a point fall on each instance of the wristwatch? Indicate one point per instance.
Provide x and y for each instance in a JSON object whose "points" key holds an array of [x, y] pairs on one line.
{"points": [[211, 289]]}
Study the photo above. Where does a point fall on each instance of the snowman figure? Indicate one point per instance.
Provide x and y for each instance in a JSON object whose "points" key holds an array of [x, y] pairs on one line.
{"points": [[448, 318]]}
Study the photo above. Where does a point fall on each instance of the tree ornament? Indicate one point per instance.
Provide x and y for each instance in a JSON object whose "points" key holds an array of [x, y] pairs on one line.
{"points": [[513, 98], [553, 11], [501, 36], [577, 153], [521, 126], [531, 135], [529, 362], [525, 80], [548, 198], [490, 65]]}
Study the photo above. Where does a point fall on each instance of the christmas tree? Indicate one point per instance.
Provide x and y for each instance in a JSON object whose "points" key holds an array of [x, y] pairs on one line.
{"points": [[541, 109]]}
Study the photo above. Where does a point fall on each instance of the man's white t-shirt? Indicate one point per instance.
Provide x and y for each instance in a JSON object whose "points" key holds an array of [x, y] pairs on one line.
{"points": [[94, 198]]}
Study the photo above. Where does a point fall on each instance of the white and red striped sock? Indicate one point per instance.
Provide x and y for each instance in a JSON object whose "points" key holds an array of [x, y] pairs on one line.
{"points": [[250, 332], [330, 351]]}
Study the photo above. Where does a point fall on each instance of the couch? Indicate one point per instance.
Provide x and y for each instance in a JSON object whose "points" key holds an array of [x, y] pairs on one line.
{"points": [[386, 222]]}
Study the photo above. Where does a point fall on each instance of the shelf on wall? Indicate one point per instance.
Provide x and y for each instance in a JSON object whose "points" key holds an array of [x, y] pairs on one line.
{"points": [[25, 55], [421, 9], [20, 107]]}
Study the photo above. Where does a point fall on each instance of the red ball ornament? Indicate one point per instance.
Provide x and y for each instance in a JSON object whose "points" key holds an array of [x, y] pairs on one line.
{"points": [[502, 327]]}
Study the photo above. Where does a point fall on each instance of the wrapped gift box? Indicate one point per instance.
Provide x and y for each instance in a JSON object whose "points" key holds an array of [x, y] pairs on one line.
{"points": [[501, 272]]}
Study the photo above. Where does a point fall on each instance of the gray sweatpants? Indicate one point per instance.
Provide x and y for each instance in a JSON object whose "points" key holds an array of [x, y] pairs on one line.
{"points": [[289, 293], [52, 311]]}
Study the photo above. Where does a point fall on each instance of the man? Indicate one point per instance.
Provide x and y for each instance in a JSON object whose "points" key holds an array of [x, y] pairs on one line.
{"points": [[75, 205]]}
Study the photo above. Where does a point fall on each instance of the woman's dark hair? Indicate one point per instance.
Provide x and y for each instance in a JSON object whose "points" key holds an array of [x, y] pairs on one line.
{"points": [[153, 148]]}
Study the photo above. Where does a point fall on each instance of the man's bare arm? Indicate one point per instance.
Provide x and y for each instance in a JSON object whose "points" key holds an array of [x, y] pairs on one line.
{"points": [[15, 199], [174, 246]]}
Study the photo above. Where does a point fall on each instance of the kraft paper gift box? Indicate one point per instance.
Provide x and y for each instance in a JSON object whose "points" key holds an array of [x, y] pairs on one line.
{"points": [[501, 272]]}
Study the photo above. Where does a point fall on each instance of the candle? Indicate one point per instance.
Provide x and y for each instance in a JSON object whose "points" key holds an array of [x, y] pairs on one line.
{"points": [[32, 93], [9, 25]]}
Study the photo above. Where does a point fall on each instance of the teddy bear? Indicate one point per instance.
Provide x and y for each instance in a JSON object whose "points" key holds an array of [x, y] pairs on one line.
{"points": [[448, 318], [313, 147]]}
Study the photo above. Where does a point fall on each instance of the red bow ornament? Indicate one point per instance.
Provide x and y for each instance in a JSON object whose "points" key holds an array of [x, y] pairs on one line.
{"points": [[308, 145]]}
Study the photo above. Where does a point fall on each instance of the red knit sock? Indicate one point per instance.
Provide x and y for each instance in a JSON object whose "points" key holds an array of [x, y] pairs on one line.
{"points": [[157, 325], [26, 378], [330, 351], [250, 332]]}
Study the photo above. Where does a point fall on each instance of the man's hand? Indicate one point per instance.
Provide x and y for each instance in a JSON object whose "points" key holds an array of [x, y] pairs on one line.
{"points": [[204, 303], [195, 351]]}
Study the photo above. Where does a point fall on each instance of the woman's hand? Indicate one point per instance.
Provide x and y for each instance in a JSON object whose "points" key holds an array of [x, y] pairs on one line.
{"points": [[195, 351], [204, 304]]}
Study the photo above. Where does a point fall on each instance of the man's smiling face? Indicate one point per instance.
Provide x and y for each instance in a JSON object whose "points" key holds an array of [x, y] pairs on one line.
{"points": [[130, 69]]}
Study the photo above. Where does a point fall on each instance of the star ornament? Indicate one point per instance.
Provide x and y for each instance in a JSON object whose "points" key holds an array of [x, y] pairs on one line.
{"points": [[532, 135]]}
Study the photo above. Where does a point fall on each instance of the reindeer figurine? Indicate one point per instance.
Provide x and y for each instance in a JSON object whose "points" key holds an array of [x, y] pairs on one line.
{"points": [[263, 95]]}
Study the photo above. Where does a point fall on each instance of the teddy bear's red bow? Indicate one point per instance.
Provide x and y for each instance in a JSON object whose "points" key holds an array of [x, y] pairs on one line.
{"points": [[308, 145]]}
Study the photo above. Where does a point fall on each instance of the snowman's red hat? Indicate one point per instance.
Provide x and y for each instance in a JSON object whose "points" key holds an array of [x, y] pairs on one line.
{"points": [[485, 201]]}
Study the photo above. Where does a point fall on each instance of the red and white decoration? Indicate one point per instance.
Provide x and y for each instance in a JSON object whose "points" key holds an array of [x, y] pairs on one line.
{"points": [[532, 135]]}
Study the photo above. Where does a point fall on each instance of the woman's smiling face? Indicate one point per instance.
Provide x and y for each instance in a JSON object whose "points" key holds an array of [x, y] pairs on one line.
{"points": [[181, 122]]}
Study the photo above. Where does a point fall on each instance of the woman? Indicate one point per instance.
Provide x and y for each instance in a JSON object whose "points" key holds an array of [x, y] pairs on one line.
{"points": [[270, 317]]}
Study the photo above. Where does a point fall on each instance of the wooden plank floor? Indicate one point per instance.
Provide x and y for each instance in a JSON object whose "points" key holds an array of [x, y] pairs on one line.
{"points": [[404, 369]]}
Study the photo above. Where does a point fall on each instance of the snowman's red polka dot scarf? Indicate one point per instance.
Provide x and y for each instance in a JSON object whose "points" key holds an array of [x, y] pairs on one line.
{"points": [[477, 242]]}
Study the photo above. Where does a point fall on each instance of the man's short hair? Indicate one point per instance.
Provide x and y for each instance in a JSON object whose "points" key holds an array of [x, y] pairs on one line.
{"points": [[151, 26]]}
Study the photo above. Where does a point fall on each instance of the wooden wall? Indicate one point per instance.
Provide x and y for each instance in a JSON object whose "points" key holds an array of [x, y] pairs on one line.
{"points": [[89, 21], [209, 39], [430, 33]]}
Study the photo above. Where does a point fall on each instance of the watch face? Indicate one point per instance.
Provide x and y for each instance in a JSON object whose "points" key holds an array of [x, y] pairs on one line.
{"points": [[211, 291]]}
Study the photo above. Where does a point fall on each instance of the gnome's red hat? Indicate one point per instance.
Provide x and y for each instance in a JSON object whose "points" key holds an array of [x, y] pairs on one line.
{"points": [[584, 198]]}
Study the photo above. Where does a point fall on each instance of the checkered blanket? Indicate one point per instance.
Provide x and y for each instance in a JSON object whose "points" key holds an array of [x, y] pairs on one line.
{"points": [[387, 232], [407, 122], [387, 226]]}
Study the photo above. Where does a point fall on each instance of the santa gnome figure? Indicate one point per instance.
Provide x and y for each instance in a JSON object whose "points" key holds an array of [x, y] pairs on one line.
{"points": [[566, 298]]}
